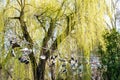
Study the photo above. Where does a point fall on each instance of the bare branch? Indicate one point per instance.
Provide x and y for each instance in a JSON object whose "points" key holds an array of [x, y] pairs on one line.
{"points": [[15, 8], [38, 15], [14, 17], [66, 31], [108, 25], [18, 2], [30, 5], [59, 9], [40, 23], [116, 1], [24, 3], [21, 2]]}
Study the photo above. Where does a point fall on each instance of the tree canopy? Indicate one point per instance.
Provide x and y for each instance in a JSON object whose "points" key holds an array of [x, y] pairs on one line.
{"points": [[36, 30]]}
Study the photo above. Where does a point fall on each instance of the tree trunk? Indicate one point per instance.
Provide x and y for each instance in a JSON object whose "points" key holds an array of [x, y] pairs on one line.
{"points": [[34, 66], [52, 70], [86, 67], [41, 70], [30, 45], [42, 64]]}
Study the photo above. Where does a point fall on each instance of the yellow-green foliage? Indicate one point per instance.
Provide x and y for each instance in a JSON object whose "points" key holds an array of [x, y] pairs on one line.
{"points": [[1, 22], [86, 16], [1, 35], [90, 27], [90, 23]]}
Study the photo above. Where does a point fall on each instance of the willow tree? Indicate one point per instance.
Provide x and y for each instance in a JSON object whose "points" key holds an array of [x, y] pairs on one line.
{"points": [[57, 19], [24, 21], [90, 27]]}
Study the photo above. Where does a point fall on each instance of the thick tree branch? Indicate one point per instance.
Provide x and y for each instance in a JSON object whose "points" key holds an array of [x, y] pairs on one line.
{"points": [[46, 53], [28, 39], [47, 37], [37, 17], [66, 31], [13, 17]]}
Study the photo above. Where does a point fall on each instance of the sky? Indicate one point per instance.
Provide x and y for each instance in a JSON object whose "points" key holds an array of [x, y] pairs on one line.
{"points": [[116, 12]]}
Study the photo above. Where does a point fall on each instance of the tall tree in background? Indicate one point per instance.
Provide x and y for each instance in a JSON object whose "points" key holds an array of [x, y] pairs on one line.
{"points": [[112, 14], [90, 29], [110, 56]]}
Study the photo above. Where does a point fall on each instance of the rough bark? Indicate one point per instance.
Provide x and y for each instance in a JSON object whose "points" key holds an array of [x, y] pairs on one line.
{"points": [[41, 67], [30, 45], [41, 70], [52, 70], [46, 53]]}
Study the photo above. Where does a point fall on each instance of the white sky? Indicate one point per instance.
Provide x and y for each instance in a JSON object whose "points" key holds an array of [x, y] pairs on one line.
{"points": [[117, 11]]}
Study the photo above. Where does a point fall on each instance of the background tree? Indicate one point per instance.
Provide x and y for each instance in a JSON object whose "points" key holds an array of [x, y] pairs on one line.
{"points": [[110, 61]]}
